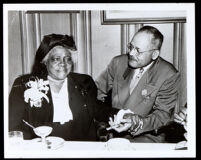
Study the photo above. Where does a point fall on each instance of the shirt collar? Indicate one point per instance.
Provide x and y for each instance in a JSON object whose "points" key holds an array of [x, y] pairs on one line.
{"points": [[148, 66], [144, 69]]}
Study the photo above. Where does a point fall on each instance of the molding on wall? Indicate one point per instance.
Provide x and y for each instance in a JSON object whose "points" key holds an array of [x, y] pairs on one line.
{"points": [[73, 26], [28, 29], [84, 43], [159, 20], [74, 34], [177, 56], [177, 47], [88, 42], [124, 38], [28, 39], [38, 29], [52, 11], [23, 32]]}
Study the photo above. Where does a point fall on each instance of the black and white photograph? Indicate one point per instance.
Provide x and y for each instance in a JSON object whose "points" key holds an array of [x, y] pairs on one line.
{"points": [[104, 80]]}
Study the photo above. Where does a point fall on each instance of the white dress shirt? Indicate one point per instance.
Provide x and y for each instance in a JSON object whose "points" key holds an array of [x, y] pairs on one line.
{"points": [[137, 76], [62, 112]]}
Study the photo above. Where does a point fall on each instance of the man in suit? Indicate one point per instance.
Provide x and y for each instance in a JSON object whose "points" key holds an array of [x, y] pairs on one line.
{"points": [[144, 83]]}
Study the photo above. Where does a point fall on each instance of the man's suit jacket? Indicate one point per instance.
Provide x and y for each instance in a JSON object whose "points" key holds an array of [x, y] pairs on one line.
{"points": [[154, 97], [82, 101]]}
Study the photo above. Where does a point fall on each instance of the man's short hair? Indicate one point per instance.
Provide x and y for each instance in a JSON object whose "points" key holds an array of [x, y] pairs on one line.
{"points": [[157, 35]]}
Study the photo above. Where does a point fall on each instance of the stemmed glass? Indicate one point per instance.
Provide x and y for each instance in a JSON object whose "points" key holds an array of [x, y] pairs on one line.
{"points": [[42, 132]]}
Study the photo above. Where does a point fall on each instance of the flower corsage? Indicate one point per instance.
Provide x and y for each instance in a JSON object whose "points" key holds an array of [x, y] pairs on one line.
{"points": [[37, 90], [145, 94]]}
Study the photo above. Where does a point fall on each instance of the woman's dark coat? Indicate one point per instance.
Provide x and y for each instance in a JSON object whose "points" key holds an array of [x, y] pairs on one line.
{"points": [[83, 104]]}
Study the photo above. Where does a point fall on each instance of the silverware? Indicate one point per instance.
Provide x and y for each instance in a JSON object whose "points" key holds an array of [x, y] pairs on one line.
{"points": [[28, 124]]}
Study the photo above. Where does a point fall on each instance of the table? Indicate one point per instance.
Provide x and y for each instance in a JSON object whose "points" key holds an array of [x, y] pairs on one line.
{"points": [[78, 149]]}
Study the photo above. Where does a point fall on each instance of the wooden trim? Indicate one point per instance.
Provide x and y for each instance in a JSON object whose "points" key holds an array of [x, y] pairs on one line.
{"points": [[177, 48], [51, 11], [89, 42], [38, 29], [124, 38], [28, 40], [107, 21], [73, 32], [23, 41], [84, 43], [177, 57]]}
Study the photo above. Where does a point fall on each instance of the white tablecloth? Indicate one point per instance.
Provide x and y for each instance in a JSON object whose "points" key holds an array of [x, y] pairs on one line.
{"points": [[71, 149]]}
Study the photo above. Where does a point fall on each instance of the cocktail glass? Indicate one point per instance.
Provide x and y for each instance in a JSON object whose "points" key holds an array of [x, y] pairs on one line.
{"points": [[42, 131]]}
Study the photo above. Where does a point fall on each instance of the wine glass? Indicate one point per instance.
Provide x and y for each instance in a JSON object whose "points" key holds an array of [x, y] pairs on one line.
{"points": [[42, 131]]}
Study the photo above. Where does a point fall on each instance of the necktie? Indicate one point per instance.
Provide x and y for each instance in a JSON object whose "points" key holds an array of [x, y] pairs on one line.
{"points": [[135, 79]]}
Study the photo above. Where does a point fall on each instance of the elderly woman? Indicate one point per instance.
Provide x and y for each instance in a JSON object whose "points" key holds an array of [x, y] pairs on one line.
{"points": [[52, 95]]}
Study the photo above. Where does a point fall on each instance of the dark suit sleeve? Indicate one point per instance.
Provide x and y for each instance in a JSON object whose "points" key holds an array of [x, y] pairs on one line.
{"points": [[166, 101]]}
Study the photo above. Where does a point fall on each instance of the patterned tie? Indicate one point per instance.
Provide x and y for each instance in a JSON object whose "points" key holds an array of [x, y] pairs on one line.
{"points": [[135, 80]]}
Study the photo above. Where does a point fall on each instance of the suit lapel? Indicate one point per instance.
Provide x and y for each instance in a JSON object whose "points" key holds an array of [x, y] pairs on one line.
{"points": [[135, 96], [142, 91], [123, 85]]}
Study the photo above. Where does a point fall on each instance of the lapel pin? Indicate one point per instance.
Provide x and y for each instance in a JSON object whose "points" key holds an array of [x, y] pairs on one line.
{"points": [[144, 92]]}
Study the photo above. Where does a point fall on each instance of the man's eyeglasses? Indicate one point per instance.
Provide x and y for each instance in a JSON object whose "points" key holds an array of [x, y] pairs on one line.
{"points": [[65, 60], [131, 47]]}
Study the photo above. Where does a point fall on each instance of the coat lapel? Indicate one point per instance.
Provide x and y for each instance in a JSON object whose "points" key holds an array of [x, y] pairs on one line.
{"points": [[142, 92], [50, 105], [123, 87], [50, 110], [45, 112]]}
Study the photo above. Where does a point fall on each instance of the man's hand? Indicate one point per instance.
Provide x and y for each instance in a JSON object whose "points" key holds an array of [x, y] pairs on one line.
{"points": [[119, 124], [181, 117], [119, 127], [126, 120], [136, 120]]}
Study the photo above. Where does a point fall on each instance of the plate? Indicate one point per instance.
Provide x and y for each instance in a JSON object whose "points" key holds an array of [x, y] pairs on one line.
{"points": [[181, 145], [54, 142], [119, 144], [51, 143]]}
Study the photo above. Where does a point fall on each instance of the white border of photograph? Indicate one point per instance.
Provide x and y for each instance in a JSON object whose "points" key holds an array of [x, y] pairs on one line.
{"points": [[190, 20]]}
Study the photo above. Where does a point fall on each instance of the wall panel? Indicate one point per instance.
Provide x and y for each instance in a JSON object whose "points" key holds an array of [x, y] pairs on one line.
{"points": [[55, 23], [14, 46], [106, 43], [167, 47]]}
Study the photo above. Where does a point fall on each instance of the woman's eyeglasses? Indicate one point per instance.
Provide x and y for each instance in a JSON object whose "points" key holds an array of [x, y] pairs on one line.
{"points": [[65, 60], [131, 47]]}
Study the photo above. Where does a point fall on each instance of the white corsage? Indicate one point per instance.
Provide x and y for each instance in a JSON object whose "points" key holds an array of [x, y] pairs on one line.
{"points": [[36, 92]]}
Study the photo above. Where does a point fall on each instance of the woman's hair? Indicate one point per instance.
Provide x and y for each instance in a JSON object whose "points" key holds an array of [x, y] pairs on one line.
{"points": [[49, 42]]}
